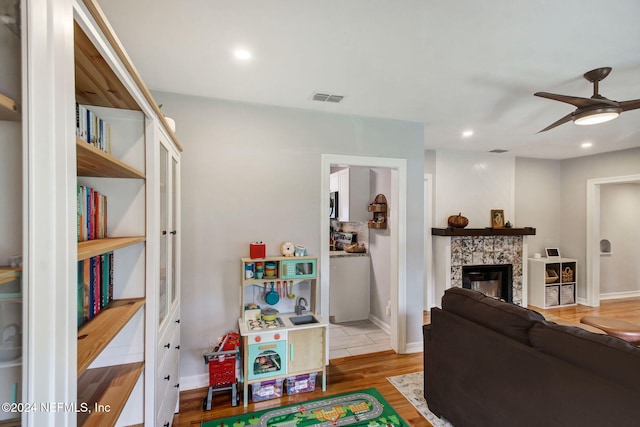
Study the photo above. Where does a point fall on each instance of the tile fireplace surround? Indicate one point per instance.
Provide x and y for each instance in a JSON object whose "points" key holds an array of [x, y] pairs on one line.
{"points": [[451, 253]]}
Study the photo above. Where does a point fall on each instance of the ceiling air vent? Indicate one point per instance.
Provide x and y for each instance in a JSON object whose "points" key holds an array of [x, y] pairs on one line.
{"points": [[325, 97], [498, 150]]}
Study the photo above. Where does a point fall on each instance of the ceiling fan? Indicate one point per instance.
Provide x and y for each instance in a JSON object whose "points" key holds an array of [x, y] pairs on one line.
{"points": [[590, 111]]}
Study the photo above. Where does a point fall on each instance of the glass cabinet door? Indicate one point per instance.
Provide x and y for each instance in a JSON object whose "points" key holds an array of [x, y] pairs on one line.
{"points": [[164, 237], [174, 229], [13, 326]]}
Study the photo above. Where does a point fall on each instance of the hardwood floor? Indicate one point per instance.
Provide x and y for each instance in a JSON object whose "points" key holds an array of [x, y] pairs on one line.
{"points": [[372, 370]]}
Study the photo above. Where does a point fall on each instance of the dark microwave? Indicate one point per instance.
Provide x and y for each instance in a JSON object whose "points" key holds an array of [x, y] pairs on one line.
{"points": [[333, 205]]}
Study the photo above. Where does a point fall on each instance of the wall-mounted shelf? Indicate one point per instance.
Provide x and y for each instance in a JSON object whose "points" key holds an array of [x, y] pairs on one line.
{"points": [[380, 210]]}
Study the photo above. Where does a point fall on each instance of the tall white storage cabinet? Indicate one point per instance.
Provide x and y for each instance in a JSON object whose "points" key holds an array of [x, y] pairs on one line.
{"points": [[12, 325], [167, 322], [111, 369]]}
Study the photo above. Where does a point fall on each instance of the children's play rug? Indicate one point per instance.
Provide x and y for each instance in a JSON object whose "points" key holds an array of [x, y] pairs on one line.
{"points": [[365, 408]]}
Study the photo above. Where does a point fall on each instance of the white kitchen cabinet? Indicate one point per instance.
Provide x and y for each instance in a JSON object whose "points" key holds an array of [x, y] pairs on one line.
{"points": [[352, 185], [349, 288]]}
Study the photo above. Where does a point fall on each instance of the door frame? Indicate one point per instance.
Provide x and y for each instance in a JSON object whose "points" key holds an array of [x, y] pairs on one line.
{"points": [[593, 233], [398, 235]]}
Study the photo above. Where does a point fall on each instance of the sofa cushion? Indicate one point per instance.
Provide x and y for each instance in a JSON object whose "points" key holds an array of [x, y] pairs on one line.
{"points": [[502, 317], [603, 355]]}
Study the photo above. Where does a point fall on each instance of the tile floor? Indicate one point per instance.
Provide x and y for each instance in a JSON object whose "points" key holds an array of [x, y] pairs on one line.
{"points": [[354, 338]]}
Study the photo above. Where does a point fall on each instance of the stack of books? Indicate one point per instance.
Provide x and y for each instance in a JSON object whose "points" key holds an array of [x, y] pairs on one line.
{"points": [[92, 129]]}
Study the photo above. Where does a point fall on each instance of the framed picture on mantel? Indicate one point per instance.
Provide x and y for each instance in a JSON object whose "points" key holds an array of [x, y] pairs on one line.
{"points": [[497, 218]]}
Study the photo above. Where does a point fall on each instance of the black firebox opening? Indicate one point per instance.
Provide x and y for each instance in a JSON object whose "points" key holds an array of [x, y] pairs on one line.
{"points": [[492, 280]]}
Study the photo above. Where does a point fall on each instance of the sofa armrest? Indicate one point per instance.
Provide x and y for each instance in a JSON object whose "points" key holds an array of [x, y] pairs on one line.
{"points": [[428, 367]]}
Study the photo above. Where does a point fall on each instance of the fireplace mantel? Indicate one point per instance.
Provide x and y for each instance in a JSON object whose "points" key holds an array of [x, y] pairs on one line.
{"points": [[450, 231]]}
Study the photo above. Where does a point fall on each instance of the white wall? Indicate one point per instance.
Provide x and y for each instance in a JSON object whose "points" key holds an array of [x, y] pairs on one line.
{"points": [[575, 173], [538, 199], [473, 184], [252, 172], [380, 250], [619, 213]]}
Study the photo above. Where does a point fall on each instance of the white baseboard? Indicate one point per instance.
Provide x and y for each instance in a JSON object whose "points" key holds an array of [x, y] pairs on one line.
{"points": [[616, 295], [380, 323], [414, 347], [194, 381]]}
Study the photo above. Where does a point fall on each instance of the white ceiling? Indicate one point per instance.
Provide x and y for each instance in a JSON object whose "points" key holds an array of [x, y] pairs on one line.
{"points": [[452, 65]]}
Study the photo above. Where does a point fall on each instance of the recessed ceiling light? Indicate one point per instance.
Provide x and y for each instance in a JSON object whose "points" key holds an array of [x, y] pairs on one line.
{"points": [[586, 144], [242, 54], [467, 133]]}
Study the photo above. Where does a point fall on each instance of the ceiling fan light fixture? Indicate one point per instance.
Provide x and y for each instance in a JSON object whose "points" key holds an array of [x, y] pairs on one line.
{"points": [[594, 116]]}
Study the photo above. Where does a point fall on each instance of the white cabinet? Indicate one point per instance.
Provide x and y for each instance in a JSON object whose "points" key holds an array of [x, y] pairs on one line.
{"points": [[111, 360], [552, 282], [165, 381], [349, 288], [12, 326], [352, 185]]}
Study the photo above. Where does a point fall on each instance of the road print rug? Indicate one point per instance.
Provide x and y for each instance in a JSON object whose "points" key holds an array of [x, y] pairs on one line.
{"points": [[365, 408]]}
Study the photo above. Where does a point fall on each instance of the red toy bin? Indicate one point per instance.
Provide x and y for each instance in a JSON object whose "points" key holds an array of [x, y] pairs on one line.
{"points": [[257, 250]]}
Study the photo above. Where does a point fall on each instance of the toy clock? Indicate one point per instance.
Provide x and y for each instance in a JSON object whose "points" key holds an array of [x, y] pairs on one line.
{"points": [[287, 249]]}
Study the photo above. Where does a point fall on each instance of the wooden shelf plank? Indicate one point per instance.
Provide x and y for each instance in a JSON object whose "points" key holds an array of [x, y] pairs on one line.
{"points": [[91, 161], [8, 274], [91, 248], [8, 109], [98, 332], [526, 231], [96, 83], [110, 386]]}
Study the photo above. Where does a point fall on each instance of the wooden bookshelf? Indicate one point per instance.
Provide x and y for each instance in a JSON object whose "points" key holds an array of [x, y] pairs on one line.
{"points": [[91, 248], [8, 109], [98, 332], [91, 161], [110, 386]]}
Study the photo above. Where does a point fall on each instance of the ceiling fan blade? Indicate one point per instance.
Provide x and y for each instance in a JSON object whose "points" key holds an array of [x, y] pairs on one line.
{"points": [[565, 119], [630, 105], [576, 100]]}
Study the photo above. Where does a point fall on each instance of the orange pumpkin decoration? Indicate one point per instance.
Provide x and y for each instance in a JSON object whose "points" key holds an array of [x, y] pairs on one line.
{"points": [[458, 221]]}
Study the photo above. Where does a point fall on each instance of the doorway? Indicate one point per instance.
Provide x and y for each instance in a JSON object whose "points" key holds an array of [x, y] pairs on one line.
{"points": [[593, 233], [397, 238]]}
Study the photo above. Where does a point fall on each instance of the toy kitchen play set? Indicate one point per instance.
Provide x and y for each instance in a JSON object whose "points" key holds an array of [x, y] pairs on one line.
{"points": [[283, 336]]}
